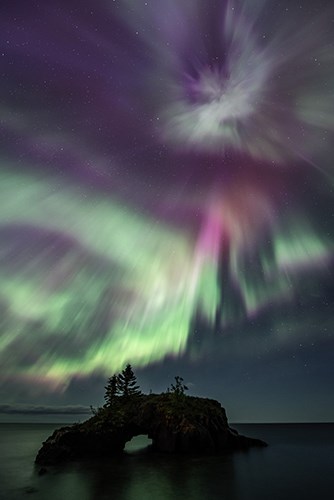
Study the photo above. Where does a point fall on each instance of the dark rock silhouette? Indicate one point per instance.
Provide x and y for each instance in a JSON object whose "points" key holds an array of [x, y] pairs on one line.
{"points": [[175, 423]]}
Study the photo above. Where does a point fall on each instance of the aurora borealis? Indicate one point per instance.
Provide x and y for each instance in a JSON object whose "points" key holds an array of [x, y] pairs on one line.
{"points": [[166, 186]]}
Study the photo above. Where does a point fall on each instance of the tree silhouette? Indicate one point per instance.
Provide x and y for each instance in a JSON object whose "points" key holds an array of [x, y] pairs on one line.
{"points": [[127, 382], [179, 388], [112, 390]]}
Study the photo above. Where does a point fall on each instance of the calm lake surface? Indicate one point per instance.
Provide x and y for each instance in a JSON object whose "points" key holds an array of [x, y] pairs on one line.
{"points": [[298, 464]]}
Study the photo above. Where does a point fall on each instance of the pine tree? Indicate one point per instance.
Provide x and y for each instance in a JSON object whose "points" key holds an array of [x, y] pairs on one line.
{"points": [[127, 382], [112, 390]]}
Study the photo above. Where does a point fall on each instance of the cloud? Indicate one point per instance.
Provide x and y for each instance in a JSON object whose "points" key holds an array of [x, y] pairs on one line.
{"points": [[12, 409]]}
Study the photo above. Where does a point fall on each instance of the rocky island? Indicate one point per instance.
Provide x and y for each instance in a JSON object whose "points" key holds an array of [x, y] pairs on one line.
{"points": [[176, 423]]}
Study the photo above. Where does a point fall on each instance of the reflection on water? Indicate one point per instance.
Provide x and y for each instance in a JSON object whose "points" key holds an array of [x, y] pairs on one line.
{"points": [[141, 477], [297, 464], [163, 478]]}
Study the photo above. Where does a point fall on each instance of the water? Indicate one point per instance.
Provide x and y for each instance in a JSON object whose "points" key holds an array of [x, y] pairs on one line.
{"points": [[298, 464]]}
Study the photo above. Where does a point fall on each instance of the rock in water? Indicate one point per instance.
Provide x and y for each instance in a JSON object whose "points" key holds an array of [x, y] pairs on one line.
{"points": [[175, 423]]}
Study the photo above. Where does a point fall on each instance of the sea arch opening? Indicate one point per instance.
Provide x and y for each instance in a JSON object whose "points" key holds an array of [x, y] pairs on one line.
{"points": [[138, 443]]}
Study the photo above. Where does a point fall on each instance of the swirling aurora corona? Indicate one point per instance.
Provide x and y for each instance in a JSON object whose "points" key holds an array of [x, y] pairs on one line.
{"points": [[150, 176]]}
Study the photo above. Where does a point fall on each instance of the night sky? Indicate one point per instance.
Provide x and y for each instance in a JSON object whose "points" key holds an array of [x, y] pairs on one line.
{"points": [[166, 195]]}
